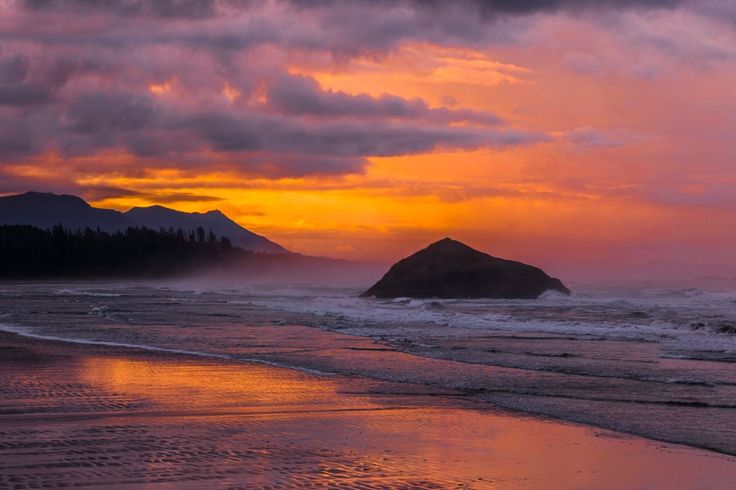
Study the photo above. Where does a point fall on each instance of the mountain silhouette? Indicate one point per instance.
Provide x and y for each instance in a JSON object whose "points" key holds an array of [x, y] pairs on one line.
{"points": [[159, 216], [44, 210]]}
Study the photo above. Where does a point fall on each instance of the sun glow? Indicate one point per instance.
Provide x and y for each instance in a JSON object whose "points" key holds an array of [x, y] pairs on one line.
{"points": [[160, 88], [230, 93]]}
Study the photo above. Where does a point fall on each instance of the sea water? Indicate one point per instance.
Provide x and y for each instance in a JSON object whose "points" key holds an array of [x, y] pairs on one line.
{"points": [[655, 362]]}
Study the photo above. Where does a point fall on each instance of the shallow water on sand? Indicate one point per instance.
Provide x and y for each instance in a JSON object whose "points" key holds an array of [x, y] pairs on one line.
{"points": [[654, 363], [91, 417]]}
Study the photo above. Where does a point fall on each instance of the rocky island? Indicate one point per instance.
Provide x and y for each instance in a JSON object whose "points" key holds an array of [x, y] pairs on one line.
{"points": [[451, 269]]}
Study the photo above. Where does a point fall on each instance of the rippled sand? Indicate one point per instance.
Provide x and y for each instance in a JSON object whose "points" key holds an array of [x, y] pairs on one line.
{"points": [[93, 417]]}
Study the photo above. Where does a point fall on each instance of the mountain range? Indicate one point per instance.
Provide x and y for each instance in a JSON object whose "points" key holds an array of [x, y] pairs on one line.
{"points": [[45, 210]]}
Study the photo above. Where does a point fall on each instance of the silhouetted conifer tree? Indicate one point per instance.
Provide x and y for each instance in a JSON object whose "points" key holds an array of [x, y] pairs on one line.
{"points": [[27, 251]]}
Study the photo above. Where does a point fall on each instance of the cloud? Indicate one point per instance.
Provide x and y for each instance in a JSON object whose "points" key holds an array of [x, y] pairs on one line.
{"points": [[97, 193], [344, 28], [158, 8], [16, 137], [302, 96], [17, 88], [23, 95], [76, 80], [329, 143], [153, 91], [271, 140], [177, 197], [32, 77], [498, 7], [102, 112]]}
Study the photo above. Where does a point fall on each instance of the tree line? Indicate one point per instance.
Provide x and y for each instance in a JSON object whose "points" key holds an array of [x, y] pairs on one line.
{"points": [[28, 251]]}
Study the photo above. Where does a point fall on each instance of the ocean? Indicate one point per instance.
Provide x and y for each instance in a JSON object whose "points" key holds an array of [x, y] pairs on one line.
{"points": [[659, 363]]}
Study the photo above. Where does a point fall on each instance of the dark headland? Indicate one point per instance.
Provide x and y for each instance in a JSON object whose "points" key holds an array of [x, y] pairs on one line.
{"points": [[451, 269], [45, 210]]}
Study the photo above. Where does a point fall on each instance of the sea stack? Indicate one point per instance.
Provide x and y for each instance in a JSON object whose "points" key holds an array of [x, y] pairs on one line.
{"points": [[451, 269]]}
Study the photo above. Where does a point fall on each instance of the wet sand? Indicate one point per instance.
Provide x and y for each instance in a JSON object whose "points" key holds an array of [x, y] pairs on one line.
{"points": [[90, 416]]}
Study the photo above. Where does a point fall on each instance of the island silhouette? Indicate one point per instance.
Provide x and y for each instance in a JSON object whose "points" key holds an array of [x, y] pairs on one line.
{"points": [[451, 269]]}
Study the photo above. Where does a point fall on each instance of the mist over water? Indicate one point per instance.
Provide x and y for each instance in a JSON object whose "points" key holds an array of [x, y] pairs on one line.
{"points": [[656, 362]]}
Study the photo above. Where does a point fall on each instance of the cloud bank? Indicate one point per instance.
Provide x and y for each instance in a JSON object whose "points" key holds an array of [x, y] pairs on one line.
{"points": [[192, 82], [207, 82]]}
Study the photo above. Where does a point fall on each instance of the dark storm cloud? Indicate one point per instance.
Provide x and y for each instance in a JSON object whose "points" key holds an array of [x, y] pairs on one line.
{"points": [[13, 69], [205, 8], [100, 112], [32, 80], [157, 8], [344, 28], [340, 133], [302, 96], [23, 94], [16, 138], [531, 6], [334, 143], [497, 7], [15, 89]]}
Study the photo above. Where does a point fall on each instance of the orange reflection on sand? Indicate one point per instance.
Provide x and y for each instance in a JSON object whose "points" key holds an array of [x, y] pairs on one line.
{"points": [[442, 445], [203, 385]]}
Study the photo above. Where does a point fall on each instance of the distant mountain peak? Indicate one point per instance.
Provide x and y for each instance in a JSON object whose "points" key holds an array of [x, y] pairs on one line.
{"points": [[163, 209], [45, 210], [157, 216], [41, 197]]}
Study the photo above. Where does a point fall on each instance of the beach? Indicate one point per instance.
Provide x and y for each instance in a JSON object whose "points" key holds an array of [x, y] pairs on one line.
{"points": [[101, 416]]}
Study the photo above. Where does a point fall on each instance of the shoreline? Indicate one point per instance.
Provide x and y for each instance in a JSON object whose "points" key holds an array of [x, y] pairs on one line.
{"points": [[139, 407]]}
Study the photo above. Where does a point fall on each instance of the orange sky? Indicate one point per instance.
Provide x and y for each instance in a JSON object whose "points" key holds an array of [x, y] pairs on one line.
{"points": [[633, 169]]}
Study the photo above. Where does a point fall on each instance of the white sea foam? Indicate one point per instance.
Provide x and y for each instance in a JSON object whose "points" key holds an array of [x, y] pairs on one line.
{"points": [[83, 292], [669, 317]]}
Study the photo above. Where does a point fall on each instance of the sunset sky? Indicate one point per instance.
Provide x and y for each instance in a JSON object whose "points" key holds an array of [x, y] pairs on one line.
{"points": [[592, 138]]}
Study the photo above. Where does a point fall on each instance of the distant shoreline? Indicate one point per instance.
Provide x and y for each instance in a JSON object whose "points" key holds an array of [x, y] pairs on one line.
{"points": [[30, 252]]}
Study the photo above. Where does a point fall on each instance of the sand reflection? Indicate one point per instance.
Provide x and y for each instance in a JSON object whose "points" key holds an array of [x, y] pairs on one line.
{"points": [[194, 384]]}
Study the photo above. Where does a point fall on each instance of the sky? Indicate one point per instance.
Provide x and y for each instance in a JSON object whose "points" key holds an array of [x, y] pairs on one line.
{"points": [[592, 138]]}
